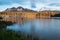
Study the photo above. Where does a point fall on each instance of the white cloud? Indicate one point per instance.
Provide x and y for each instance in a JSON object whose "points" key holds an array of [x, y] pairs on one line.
{"points": [[39, 4]]}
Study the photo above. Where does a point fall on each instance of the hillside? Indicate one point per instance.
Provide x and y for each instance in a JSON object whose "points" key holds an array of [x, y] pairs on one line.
{"points": [[13, 14], [48, 14]]}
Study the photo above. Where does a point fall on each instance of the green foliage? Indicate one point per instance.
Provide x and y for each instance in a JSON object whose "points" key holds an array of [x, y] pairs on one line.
{"points": [[1, 17], [3, 24], [10, 35]]}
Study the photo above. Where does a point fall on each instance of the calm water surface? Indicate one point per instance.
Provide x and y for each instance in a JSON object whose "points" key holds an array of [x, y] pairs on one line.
{"points": [[48, 29]]}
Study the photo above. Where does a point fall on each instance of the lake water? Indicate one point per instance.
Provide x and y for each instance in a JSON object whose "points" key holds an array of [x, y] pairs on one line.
{"points": [[48, 29]]}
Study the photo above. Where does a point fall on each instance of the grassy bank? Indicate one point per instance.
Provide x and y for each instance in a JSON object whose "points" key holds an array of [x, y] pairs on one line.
{"points": [[7, 34], [10, 35], [3, 24]]}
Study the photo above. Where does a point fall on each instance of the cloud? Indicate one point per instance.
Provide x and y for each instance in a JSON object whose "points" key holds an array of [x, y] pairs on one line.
{"points": [[5, 2], [51, 4], [54, 4], [8, 2]]}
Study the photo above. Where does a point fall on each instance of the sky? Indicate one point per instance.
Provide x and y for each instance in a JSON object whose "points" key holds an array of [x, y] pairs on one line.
{"points": [[31, 4]]}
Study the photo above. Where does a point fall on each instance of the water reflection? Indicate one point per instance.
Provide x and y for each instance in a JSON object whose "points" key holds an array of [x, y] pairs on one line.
{"points": [[48, 29]]}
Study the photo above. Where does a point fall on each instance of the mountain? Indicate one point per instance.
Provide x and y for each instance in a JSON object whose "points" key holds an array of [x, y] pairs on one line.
{"points": [[45, 9], [18, 9]]}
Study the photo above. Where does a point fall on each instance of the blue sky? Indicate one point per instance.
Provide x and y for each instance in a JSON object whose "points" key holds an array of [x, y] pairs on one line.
{"points": [[47, 4]]}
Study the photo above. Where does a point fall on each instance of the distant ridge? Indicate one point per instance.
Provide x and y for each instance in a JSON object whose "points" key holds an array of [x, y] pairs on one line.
{"points": [[18, 9]]}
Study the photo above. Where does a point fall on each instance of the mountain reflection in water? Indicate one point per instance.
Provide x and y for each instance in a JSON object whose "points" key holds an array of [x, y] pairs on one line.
{"points": [[48, 29]]}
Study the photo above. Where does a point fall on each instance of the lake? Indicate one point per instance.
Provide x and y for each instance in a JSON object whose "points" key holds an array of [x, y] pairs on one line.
{"points": [[47, 29]]}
